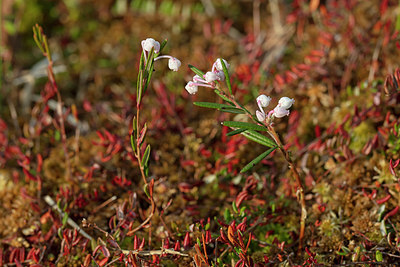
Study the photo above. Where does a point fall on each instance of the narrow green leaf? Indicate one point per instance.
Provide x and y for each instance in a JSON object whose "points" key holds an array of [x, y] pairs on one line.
{"points": [[257, 160], [164, 42], [46, 48], [227, 78], [134, 134], [145, 160], [245, 125], [232, 110], [234, 207], [211, 105], [139, 82], [146, 156], [146, 190], [196, 70], [259, 138], [234, 132], [139, 87], [223, 96], [150, 58], [134, 125], [65, 219], [149, 70], [150, 73], [141, 62], [133, 143]]}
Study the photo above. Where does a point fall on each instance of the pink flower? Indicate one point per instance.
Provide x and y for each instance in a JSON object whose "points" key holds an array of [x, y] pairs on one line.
{"points": [[218, 64], [191, 87], [260, 115], [263, 100], [285, 102], [174, 64], [149, 43], [280, 112], [210, 77]]}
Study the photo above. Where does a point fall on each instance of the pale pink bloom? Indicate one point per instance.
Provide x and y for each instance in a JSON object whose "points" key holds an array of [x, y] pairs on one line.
{"points": [[149, 43], [280, 112], [191, 87], [174, 64], [260, 115], [210, 77], [263, 100], [285, 102], [218, 64], [220, 74]]}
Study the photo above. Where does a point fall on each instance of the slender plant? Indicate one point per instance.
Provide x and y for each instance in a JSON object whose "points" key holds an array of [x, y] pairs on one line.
{"points": [[151, 50], [262, 122], [41, 41]]}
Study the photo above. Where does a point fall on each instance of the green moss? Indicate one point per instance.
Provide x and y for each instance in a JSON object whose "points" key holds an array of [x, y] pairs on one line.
{"points": [[360, 135], [324, 190]]}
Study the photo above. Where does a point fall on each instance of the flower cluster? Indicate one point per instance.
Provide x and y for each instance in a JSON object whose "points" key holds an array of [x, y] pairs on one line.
{"points": [[281, 110], [209, 79], [149, 44]]}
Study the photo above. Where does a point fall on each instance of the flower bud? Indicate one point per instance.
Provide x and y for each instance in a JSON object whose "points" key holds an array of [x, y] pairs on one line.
{"points": [[260, 115], [149, 43], [280, 112], [263, 100], [218, 64], [191, 87], [286, 102], [174, 64], [210, 77], [220, 74]]}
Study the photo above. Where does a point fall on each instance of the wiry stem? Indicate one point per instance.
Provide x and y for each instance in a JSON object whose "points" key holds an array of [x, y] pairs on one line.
{"points": [[59, 112], [141, 167], [300, 192], [137, 154]]}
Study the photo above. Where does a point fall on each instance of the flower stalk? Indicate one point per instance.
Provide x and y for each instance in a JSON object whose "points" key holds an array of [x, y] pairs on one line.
{"points": [[263, 122]]}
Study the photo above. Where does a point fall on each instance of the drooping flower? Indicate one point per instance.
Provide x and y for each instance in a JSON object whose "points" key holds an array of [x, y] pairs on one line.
{"points": [[285, 102], [220, 74], [218, 64], [174, 63], [149, 43], [210, 77], [191, 87], [263, 100], [280, 112], [260, 115]]}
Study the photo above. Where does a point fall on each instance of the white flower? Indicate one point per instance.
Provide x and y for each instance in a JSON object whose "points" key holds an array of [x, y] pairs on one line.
{"points": [[210, 77], [191, 87], [280, 112], [263, 100], [260, 115], [220, 74], [149, 43], [174, 64], [218, 64], [285, 102]]}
